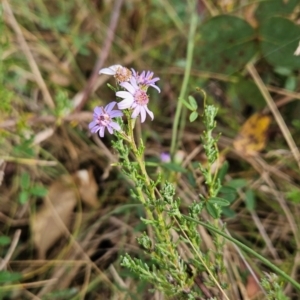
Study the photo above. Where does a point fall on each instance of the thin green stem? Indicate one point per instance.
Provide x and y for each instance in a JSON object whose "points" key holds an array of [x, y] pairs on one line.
{"points": [[249, 250], [202, 261], [189, 59], [161, 231]]}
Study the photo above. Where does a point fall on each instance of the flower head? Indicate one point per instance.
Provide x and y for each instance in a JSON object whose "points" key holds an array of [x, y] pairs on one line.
{"points": [[135, 98], [103, 119], [165, 157], [121, 73], [145, 79]]}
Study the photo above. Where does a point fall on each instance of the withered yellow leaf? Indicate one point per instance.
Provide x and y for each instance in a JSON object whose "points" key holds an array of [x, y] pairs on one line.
{"points": [[54, 217], [253, 135]]}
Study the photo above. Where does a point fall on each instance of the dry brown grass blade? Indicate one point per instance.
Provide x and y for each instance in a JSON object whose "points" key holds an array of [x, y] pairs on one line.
{"points": [[284, 129], [25, 48], [11, 250], [103, 54]]}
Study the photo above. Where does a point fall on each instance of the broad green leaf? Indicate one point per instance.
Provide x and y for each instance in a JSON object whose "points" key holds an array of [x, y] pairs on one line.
{"points": [[279, 40], [193, 116], [219, 201], [248, 93], [269, 8], [226, 44]]}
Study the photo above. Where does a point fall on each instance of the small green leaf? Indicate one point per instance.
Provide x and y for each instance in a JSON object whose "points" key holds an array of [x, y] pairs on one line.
{"points": [[283, 71], [193, 102], [291, 83], [6, 276], [23, 197], [213, 210], [4, 240], [237, 183], [228, 192], [193, 116], [25, 181], [174, 167], [228, 212], [219, 201], [191, 179], [293, 195], [38, 191], [247, 92], [250, 200], [186, 104], [223, 171]]}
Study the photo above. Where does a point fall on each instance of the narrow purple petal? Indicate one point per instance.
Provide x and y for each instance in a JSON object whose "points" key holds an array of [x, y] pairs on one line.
{"points": [[116, 113], [143, 114], [110, 129], [155, 79], [156, 87], [136, 112], [125, 103], [110, 106], [98, 110], [123, 94], [142, 75], [101, 131], [115, 126], [134, 73], [134, 83], [134, 105], [95, 129], [107, 71], [149, 74], [128, 87], [150, 113], [110, 70], [92, 124]]}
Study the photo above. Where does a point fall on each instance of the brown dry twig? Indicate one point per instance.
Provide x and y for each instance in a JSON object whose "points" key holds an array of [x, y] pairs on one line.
{"points": [[11, 249], [103, 54]]}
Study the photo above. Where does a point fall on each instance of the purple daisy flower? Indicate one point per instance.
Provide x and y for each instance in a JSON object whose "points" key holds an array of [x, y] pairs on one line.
{"points": [[136, 99], [145, 79], [103, 119]]}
